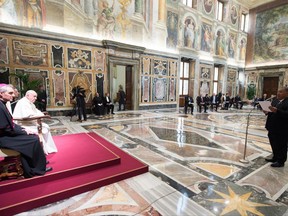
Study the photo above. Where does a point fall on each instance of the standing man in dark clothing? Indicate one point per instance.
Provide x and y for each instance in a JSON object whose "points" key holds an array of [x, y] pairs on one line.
{"points": [[122, 98], [189, 102], [79, 94], [13, 136], [42, 99], [277, 126]]}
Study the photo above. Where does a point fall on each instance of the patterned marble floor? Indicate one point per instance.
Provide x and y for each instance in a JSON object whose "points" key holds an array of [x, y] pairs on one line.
{"points": [[194, 166]]}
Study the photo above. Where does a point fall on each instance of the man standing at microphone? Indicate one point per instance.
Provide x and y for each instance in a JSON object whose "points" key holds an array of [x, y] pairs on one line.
{"points": [[277, 126]]}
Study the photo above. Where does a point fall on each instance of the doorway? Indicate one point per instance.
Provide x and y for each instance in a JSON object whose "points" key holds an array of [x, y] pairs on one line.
{"points": [[122, 75], [270, 86]]}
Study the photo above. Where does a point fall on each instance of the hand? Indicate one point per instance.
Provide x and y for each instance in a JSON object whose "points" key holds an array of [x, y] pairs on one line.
{"points": [[273, 109], [28, 131]]}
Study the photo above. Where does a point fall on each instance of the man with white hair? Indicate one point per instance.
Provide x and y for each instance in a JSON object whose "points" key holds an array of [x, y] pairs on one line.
{"points": [[13, 136], [24, 108]]}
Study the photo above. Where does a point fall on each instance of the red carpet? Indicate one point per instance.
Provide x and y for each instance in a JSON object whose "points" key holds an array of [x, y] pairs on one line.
{"points": [[83, 162]]}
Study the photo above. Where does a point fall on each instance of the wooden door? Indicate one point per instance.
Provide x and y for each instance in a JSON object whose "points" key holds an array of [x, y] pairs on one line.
{"points": [[129, 87], [270, 86]]}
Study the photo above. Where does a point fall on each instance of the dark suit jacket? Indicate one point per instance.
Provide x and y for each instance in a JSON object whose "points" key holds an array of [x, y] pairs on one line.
{"points": [[278, 122], [188, 100]]}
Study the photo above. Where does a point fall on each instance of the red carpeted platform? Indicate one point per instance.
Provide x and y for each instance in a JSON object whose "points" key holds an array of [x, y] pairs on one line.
{"points": [[83, 162]]}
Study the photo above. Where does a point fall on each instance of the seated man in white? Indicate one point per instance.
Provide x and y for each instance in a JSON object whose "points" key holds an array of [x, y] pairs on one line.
{"points": [[25, 108]]}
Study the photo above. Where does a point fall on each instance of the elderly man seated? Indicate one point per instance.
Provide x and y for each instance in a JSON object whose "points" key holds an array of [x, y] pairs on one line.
{"points": [[14, 137], [25, 108]]}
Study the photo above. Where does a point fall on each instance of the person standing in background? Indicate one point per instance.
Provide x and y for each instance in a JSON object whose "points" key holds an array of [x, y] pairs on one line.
{"points": [[79, 93], [122, 98], [42, 99]]}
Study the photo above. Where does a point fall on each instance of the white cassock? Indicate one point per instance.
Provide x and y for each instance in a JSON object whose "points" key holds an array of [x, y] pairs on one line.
{"points": [[23, 109]]}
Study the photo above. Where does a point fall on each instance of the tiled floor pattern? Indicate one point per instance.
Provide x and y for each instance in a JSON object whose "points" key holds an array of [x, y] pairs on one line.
{"points": [[194, 162]]}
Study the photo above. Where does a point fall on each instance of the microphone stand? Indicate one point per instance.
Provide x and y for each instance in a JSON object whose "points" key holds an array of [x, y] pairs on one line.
{"points": [[244, 160]]}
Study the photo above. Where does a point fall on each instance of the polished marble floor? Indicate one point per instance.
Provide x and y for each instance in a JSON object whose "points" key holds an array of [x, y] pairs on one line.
{"points": [[197, 165]]}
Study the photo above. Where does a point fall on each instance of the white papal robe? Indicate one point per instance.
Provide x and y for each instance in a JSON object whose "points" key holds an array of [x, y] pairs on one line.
{"points": [[23, 109]]}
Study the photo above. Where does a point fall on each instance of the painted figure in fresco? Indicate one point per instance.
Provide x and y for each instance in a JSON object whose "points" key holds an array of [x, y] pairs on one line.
{"points": [[234, 15], [206, 38], [106, 21], [231, 46], [189, 33], [220, 45], [208, 4], [7, 12], [34, 13], [122, 19], [172, 20], [242, 49]]}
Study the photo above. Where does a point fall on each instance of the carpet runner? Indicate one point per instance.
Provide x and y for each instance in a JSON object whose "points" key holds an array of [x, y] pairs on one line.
{"points": [[84, 162]]}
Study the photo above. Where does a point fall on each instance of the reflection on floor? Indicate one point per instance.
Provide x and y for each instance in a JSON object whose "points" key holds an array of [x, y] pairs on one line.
{"points": [[194, 164]]}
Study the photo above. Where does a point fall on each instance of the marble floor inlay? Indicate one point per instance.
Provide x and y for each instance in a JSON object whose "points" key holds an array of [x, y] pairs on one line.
{"points": [[194, 163]]}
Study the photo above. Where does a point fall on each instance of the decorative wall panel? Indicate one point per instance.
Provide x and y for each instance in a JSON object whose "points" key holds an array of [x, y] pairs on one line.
{"points": [[4, 51], [159, 92], [160, 67], [58, 83], [145, 89], [30, 53], [100, 84], [82, 79], [173, 68], [78, 58], [146, 65], [172, 89], [57, 56], [100, 60]]}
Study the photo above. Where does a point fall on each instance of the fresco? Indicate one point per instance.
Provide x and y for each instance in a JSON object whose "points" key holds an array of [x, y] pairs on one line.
{"points": [[189, 33], [242, 47], [208, 6], [172, 29], [271, 36], [220, 43], [232, 45], [206, 39], [234, 15]]}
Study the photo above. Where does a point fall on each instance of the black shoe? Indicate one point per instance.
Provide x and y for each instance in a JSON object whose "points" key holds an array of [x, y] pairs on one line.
{"points": [[277, 164], [79, 120], [48, 169], [113, 113], [270, 160]]}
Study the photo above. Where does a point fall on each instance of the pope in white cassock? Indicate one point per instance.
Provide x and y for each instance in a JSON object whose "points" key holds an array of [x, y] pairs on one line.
{"points": [[24, 108]]}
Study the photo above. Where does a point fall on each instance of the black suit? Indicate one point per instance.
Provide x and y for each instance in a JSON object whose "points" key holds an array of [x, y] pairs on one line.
{"points": [[13, 137], [188, 103], [201, 101], [214, 101], [98, 107], [108, 104], [277, 126], [238, 101]]}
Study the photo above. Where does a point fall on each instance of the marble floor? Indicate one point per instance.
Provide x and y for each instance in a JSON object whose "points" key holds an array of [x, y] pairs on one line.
{"points": [[197, 165]]}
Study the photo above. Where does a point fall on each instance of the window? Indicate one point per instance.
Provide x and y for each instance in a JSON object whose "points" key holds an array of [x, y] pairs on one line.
{"points": [[220, 10], [215, 80], [188, 3], [244, 22], [184, 78]]}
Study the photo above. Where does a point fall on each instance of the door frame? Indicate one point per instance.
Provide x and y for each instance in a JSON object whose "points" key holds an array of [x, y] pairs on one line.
{"points": [[269, 74], [112, 62]]}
